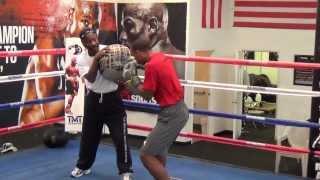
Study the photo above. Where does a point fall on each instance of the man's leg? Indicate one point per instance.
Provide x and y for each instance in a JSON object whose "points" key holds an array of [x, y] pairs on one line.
{"points": [[152, 152], [154, 166], [162, 159], [91, 134], [118, 130], [69, 103], [170, 122]]}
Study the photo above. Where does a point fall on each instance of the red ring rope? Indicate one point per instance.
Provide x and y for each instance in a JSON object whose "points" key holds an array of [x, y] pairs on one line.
{"points": [[58, 51], [38, 124], [237, 142], [215, 139], [278, 64]]}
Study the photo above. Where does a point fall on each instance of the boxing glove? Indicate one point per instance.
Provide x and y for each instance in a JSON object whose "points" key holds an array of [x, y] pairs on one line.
{"points": [[133, 84], [129, 70]]}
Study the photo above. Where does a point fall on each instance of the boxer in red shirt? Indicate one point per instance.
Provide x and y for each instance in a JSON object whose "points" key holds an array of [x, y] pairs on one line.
{"points": [[162, 83], [72, 84]]}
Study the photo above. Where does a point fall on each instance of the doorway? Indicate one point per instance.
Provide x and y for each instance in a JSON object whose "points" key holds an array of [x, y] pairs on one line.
{"points": [[201, 95], [258, 104]]}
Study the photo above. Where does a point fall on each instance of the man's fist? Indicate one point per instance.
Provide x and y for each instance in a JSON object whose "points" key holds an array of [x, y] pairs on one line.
{"points": [[129, 70], [133, 84]]}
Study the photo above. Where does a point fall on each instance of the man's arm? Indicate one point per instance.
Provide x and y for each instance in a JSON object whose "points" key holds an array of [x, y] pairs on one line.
{"points": [[92, 73], [147, 95], [136, 87]]}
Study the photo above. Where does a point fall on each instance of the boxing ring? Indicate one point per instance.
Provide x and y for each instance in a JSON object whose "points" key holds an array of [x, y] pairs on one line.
{"points": [[43, 163]]}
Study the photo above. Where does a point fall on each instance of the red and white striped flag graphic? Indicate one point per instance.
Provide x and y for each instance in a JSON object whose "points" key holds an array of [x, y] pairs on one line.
{"points": [[211, 13], [280, 14]]}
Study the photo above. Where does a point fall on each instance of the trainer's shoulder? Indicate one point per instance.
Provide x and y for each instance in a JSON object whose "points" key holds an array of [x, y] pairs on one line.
{"points": [[82, 59]]}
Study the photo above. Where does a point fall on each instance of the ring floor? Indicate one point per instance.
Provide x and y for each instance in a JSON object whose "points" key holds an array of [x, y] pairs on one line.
{"points": [[41, 163]]}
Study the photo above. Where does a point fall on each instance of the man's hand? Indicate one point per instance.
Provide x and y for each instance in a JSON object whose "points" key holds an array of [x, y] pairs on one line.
{"points": [[135, 87], [94, 68], [133, 84], [129, 70], [101, 53]]}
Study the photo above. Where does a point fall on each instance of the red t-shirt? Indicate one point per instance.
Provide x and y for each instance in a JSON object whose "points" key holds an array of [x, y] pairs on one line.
{"points": [[161, 78]]}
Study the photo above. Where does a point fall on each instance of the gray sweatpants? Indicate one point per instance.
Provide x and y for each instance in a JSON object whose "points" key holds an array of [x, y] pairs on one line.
{"points": [[171, 120]]}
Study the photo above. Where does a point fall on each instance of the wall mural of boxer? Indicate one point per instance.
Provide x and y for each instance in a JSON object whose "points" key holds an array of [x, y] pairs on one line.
{"points": [[157, 24], [161, 25], [44, 24]]}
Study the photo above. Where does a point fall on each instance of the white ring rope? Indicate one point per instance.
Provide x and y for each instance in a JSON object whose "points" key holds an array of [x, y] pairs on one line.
{"points": [[244, 88], [22, 77], [187, 83], [252, 89]]}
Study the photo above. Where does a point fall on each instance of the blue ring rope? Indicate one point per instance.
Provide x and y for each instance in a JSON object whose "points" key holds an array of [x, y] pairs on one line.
{"points": [[30, 102], [263, 120], [155, 107]]}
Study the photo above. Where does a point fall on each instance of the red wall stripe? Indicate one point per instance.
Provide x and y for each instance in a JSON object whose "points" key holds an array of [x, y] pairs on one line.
{"points": [[220, 14], [275, 14], [275, 25], [204, 17], [296, 4], [212, 14]]}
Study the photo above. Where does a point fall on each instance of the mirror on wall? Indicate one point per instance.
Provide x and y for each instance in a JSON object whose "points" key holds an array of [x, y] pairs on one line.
{"points": [[258, 104]]}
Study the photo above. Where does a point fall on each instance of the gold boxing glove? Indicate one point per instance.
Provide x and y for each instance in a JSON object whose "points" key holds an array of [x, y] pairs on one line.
{"points": [[133, 84]]}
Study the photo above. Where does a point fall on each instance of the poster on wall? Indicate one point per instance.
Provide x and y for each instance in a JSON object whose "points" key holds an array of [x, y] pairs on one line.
{"points": [[74, 91], [103, 22], [162, 25], [303, 77], [43, 24], [32, 25]]}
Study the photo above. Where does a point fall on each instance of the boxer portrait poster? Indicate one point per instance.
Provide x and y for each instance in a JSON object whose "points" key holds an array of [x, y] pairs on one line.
{"points": [[166, 21], [43, 24], [28, 25]]}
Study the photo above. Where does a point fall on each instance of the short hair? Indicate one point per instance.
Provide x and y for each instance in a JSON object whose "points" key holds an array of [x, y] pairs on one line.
{"points": [[84, 32], [140, 45]]}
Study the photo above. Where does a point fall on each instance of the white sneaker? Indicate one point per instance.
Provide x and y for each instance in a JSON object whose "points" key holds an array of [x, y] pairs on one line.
{"points": [[174, 178], [76, 172], [8, 147], [126, 176]]}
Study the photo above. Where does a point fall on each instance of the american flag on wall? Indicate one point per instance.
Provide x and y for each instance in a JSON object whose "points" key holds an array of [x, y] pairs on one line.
{"points": [[211, 13], [280, 14]]}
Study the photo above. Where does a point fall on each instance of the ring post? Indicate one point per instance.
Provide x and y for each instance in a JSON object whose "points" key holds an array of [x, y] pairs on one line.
{"points": [[315, 102]]}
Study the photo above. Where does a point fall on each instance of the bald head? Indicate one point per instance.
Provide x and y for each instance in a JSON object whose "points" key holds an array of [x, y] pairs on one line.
{"points": [[145, 22], [84, 15], [147, 11]]}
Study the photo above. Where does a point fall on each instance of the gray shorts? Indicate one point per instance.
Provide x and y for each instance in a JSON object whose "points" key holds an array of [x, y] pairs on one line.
{"points": [[170, 122]]}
